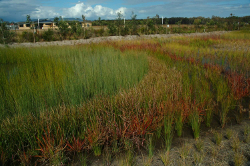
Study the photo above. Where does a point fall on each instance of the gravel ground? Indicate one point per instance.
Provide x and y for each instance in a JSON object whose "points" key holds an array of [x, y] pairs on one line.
{"points": [[103, 39]]}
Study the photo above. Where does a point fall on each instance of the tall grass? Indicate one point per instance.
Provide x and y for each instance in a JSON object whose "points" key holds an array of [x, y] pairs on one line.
{"points": [[128, 116], [38, 78], [117, 94]]}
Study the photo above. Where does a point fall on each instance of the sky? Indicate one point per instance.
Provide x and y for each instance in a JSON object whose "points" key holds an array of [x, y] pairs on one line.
{"points": [[17, 10]]}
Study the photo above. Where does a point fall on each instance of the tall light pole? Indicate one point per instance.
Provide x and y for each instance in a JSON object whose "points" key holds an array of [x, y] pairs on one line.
{"points": [[38, 23]]}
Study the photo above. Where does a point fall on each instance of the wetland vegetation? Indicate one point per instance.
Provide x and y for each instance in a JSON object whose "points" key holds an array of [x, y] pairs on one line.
{"points": [[60, 105]]}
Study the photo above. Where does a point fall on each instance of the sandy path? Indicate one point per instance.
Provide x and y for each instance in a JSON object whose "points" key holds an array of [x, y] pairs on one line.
{"points": [[102, 39]]}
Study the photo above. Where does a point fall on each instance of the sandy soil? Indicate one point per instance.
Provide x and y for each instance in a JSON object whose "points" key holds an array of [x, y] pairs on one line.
{"points": [[103, 39]]}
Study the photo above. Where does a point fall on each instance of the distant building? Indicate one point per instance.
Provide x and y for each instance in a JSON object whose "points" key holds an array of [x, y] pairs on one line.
{"points": [[49, 23], [12, 26]]}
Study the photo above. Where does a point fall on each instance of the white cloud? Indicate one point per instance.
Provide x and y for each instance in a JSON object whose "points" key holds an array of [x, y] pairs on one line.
{"points": [[122, 10], [92, 12], [44, 12], [17, 10], [142, 11]]}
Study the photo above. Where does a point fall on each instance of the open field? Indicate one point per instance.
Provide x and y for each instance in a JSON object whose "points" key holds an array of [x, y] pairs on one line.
{"points": [[127, 102]]}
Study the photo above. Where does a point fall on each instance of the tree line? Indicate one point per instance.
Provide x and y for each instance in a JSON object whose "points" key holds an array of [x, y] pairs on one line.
{"points": [[119, 26], [184, 20]]}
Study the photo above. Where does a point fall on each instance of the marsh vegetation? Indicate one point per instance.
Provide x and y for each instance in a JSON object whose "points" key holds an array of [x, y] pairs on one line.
{"points": [[60, 105]]}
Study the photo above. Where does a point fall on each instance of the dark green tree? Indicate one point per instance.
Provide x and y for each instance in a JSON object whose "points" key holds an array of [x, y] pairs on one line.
{"points": [[48, 35], [32, 26], [6, 35], [134, 24], [150, 25], [112, 28], [119, 23], [62, 26], [197, 23], [76, 28], [100, 23]]}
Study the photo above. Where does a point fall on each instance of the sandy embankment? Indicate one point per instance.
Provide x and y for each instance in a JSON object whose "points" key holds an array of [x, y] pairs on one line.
{"points": [[102, 39]]}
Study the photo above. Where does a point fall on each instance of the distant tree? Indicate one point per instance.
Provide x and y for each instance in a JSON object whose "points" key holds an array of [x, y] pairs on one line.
{"points": [[197, 22], [6, 35], [150, 25], [62, 26], [119, 22], [134, 24], [29, 21], [165, 21], [179, 23], [79, 29], [246, 19], [211, 22], [112, 28], [48, 35], [75, 29], [99, 21], [73, 26], [233, 22], [185, 21], [56, 21]]}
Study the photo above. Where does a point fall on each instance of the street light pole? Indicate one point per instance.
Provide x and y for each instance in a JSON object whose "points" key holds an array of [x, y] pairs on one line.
{"points": [[162, 21]]}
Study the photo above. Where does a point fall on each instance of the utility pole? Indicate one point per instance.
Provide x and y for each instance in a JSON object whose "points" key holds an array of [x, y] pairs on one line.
{"points": [[162, 21], [83, 19]]}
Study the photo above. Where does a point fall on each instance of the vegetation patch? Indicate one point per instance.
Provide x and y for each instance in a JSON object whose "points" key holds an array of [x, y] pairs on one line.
{"points": [[61, 104]]}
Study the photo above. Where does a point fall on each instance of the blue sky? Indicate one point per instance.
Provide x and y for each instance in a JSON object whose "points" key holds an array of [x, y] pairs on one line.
{"points": [[16, 10]]}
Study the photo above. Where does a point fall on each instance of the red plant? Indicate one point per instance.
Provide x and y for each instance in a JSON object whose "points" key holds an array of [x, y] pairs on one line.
{"points": [[49, 147], [76, 145], [239, 85], [97, 134], [3, 157], [24, 158], [136, 128]]}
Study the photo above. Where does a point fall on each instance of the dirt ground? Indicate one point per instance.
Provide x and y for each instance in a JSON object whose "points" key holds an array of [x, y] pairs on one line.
{"points": [[185, 150], [103, 39]]}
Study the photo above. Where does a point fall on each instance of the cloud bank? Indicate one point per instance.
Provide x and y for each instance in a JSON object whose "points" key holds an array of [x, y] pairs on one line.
{"points": [[92, 12]]}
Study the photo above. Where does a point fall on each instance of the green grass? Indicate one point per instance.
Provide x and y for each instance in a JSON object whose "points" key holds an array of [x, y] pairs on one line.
{"points": [[42, 78], [243, 34]]}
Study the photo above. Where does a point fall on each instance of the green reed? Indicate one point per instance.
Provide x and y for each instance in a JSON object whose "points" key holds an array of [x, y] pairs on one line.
{"points": [[41, 78]]}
